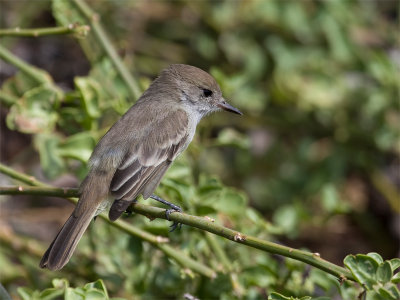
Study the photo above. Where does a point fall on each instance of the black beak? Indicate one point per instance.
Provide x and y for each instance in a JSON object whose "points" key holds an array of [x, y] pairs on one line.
{"points": [[226, 106]]}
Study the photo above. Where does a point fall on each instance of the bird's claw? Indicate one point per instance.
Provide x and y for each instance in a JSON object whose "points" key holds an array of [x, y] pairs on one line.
{"points": [[169, 211], [175, 224]]}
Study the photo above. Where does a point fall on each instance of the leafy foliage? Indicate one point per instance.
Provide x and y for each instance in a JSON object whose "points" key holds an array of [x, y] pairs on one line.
{"points": [[318, 84], [93, 290], [375, 274]]}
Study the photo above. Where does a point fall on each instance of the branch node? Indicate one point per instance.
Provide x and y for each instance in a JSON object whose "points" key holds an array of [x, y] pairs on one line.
{"points": [[239, 237], [161, 239], [95, 17], [342, 279], [151, 218], [209, 219]]}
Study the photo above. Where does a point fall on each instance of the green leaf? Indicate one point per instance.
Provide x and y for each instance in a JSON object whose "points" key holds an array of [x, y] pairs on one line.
{"points": [[384, 272], [396, 278], [286, 217], [389, 292], [94, 294], [25, 293], [78, 146], [232, 137], [394, 263], [51, 293], [98, 284], [230, 201], [177, 188], [363, 267], [18, 84], [91, 92], [73, 294], [135, 246], [114, 88], [50, 160], [179, 171], [204, 210], [376, 257], [330, 198], [60, 283], [35, 111], [276, 296]]}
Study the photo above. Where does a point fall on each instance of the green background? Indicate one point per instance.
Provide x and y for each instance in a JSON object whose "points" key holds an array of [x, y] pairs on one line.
{"points": [[313, 163]]}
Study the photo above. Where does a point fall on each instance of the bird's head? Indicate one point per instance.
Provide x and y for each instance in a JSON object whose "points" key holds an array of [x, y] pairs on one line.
{"points": [[197, 89]]}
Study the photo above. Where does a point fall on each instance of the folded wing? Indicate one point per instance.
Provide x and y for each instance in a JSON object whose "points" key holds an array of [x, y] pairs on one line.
{"points": [[147, 160]]}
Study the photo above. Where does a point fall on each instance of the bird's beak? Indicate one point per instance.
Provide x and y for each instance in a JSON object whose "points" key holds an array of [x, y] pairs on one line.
{"points": [[226, 106]]}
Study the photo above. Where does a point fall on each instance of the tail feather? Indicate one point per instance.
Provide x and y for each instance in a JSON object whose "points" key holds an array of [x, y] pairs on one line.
{"points": [[94, 190], [63, 246]]}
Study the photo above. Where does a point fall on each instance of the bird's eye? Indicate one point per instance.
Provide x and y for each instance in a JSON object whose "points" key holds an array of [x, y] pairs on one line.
{"points": [[207, 92]]}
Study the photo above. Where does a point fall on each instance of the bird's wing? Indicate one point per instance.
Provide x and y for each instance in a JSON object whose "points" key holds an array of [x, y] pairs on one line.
{"points": [[147, 160]]}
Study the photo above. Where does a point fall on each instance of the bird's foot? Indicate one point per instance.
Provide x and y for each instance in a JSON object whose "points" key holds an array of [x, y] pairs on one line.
{"points": [[129, 209], [168, 212]]}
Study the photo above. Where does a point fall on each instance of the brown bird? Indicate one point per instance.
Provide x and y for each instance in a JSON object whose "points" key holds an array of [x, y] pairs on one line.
{"points": [[137, 150]]}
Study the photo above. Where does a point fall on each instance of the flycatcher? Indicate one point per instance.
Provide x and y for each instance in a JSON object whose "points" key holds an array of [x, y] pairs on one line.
{"points": [[137, 150]]}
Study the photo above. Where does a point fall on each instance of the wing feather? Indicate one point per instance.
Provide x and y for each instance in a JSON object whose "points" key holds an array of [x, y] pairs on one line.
{"points": [[122, 175], [154, 180], [147, 161]]}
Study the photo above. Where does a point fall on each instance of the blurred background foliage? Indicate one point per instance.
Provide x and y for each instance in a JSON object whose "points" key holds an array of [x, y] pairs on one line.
{"points": [[313, 163]]}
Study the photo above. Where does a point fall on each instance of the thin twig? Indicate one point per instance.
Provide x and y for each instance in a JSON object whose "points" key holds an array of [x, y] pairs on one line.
{"points": [[78, 30], [36, 74], [157, 241], [99, 32], [312, 259], [226, 264], [49, 192], [21, 176]]}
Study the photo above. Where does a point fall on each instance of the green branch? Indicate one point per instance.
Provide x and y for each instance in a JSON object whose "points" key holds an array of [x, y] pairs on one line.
{"points": [[312, 259], [7, 99], [36, 74], [160, 242], [21, 177], [78, 30], [99, 32], [39, 191], [226, 264], [42, 189]]}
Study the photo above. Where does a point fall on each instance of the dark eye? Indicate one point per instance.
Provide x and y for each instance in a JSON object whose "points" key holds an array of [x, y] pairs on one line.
{"points": [[207, 92]]}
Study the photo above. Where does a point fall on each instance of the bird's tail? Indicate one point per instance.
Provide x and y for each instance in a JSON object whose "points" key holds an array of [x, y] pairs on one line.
{"points": [[93, 191], [63, 246]]}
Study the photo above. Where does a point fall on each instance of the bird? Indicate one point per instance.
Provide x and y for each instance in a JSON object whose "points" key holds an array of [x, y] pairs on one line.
{"points": [[133, 156]]}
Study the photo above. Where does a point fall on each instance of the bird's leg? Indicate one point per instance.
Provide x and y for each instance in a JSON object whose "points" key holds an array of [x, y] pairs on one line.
{"points": [[172, 208], [129, 209]]}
